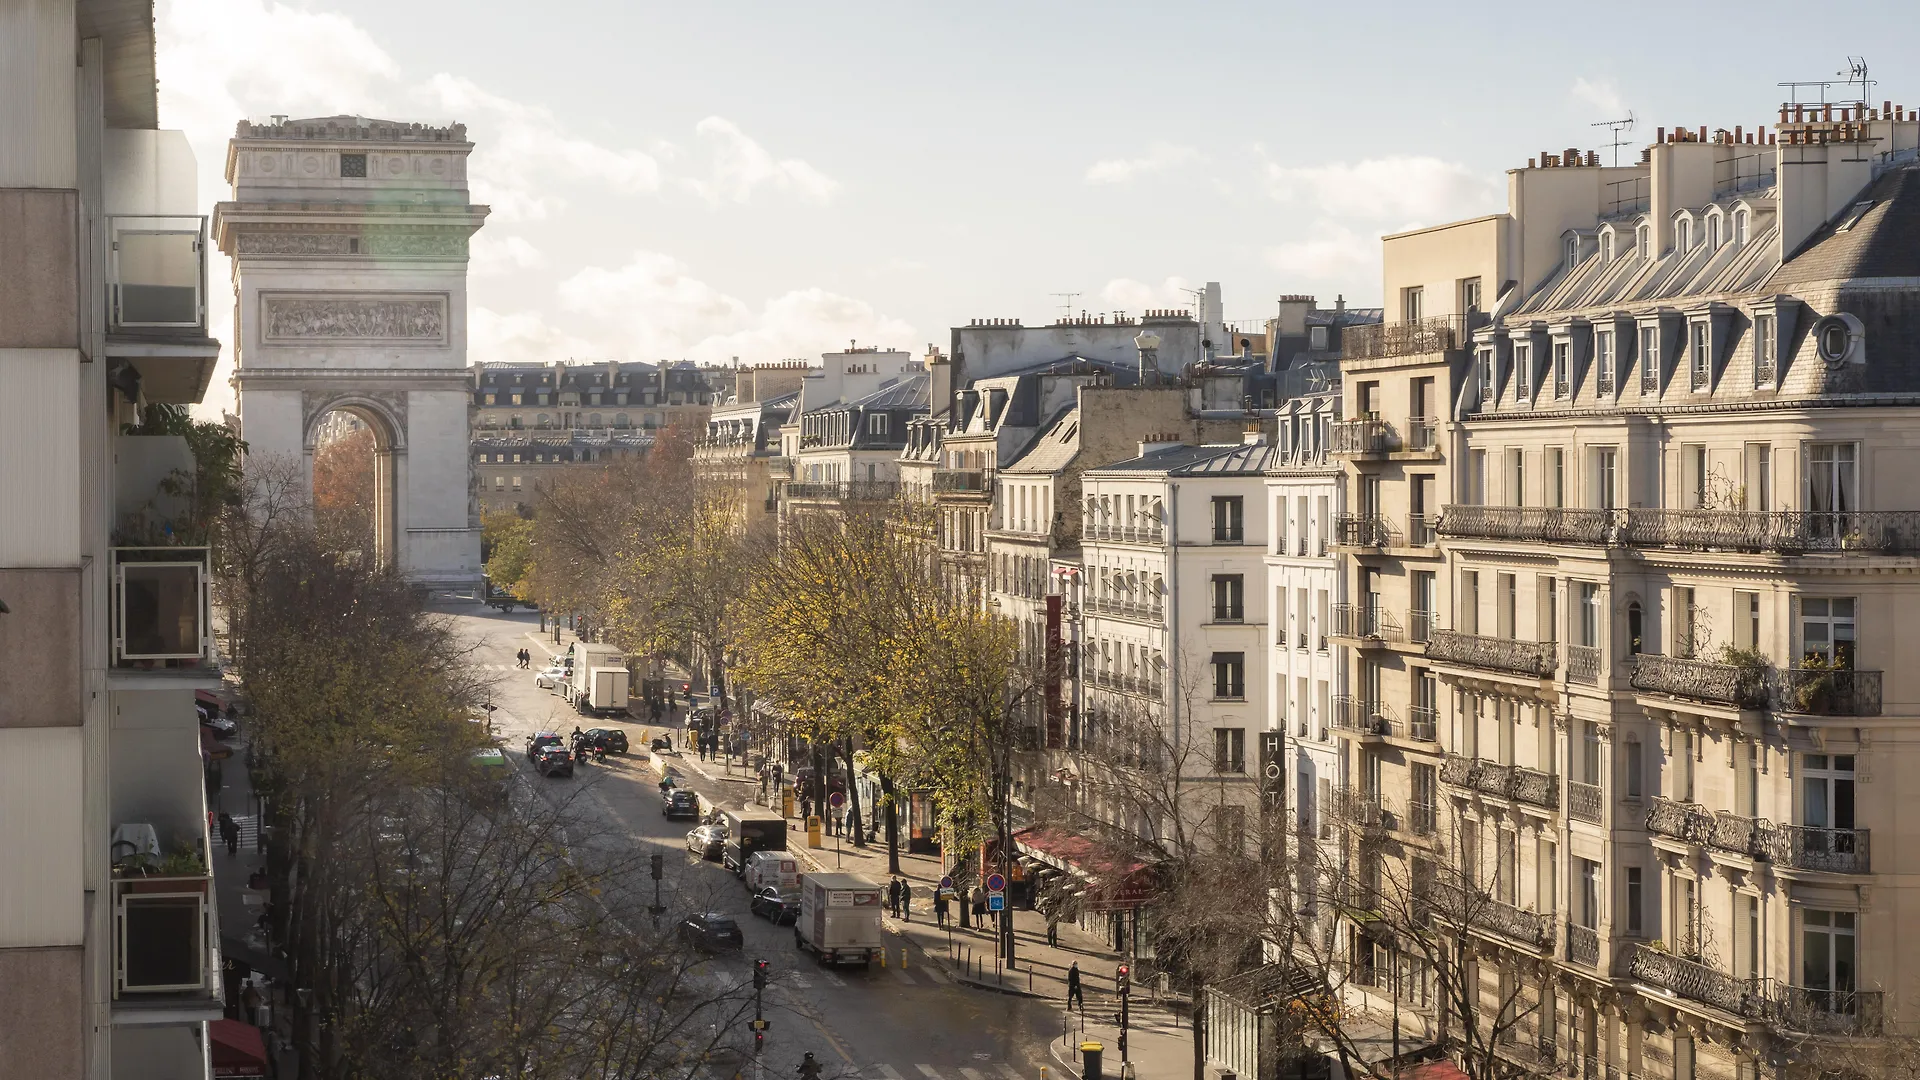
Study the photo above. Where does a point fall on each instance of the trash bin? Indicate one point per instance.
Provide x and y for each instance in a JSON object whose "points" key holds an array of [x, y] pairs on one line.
{"points": [[1090, 1060], [813, 831]]}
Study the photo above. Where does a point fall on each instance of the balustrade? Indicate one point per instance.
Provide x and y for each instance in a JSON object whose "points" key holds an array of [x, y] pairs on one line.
{"points": [[1583, 664], [1583, 945], [1725, 684], [1530, 658], [1585, 801]]}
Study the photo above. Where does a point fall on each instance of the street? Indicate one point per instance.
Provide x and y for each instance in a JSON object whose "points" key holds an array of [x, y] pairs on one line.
{"points": [[881, 1024]]}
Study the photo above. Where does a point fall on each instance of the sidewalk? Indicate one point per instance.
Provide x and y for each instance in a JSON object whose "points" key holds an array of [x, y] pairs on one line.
{"points": [[1160, 1041], [240, 907]]}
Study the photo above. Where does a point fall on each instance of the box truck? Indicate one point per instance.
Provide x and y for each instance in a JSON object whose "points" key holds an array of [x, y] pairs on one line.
{"points": [[749, 831], [597, 680], [839, 918]]}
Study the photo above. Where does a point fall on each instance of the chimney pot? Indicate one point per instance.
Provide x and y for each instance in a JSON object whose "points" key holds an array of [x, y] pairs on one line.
{"points": [[1660, 135], [1703, 133]]}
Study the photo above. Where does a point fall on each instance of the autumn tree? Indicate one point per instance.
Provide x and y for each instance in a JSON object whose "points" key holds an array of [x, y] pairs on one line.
{"points": [[506, 541], [344, 491]]}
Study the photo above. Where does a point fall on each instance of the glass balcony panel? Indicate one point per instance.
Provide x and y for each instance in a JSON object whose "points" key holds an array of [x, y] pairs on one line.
{"points": [[157, 273], [161, 608]]}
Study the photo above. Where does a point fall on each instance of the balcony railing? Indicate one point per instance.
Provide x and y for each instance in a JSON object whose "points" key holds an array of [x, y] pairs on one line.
{"points": [[1833, 851], [962, 481], [157, 273], [1366, 621], [1363, 717], [1787, 532], [1585, 801], [847, 490], [1485, 913], [162, 615], [1535, 524], [1413, 338], [1422, 529], [1751, 998], [1535, 787], [1699, 680], [1583, 945], [1801, 847], [1583, 663], [1533, 659], [1419, 626], [1422, 433], [1135, 534], [1127, 609], [1832, 1012], [1828, 692], [166, 940], [1361, 809], [1423, 723], [1686, 821], [780, 468], [1364, 530], [1353, 438]]}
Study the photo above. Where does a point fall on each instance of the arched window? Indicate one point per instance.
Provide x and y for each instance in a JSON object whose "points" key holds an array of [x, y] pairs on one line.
{"points": [[1682, 235], [1636, 628], [1740, 218], [596, 420], [1573, 252], [1606, 247], [1643, 240], [620, 420], [542, 421], [1713, 232]]}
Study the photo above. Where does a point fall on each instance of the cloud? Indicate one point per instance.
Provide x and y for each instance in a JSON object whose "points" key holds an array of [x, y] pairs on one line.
{"points": [[740, 166], [1126, 294], [494, 253], [1159, 158], [1331, 253], [1602, 95], [1411, 190], [653, 307], [522, 337]]}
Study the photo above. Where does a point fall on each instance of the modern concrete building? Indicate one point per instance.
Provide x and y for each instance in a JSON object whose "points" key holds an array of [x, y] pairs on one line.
{"points": [[109, 940]]}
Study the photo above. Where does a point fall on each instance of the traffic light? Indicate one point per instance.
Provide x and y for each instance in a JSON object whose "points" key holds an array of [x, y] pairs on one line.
{"points": [[658, 862], [759, 974], [1121, 979]]}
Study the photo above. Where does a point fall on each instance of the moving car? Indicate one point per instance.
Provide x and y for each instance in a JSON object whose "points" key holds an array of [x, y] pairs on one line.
{"points": [[707, 841], [679, 802], [541, 739], [550, 677], [782, 908], [553, 760], [612, 740], [711, 931]]}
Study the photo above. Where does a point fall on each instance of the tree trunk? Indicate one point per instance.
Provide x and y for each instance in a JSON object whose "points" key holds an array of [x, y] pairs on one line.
{"points": [[893, 824], [853, 800]]}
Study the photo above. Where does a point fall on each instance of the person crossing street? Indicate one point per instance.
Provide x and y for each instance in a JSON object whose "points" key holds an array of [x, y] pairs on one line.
{"points": [[1074, 994]]}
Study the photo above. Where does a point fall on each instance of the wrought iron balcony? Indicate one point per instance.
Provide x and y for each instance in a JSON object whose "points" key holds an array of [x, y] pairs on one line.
{"points": [[1364, 530], [1458, 770], [1357, 438], [1414, 338], [1422, 433], [1364, 810], [1359, 716], [1583, 664], [1585, 802], [1828, 692], [1423, 723], [1422, 529], [1754, 999], [1686, 821], [1833, 851], [1534, 524], [1533, 659], [1419, 626], [1583, 945], [1483, 912], [1832, 1012], [1786, 532], [1369, 620], [962, 481], [1699, 680], [1537, 788]]}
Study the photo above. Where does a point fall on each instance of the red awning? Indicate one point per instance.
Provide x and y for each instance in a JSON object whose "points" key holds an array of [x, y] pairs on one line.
{"points": [[237, 1049], [1110, 885], [1433, 1070], [213, 749]]}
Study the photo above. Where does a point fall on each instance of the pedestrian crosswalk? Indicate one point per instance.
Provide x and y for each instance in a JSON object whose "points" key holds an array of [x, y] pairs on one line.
{"points": [[998, 1070], [891, 976]]}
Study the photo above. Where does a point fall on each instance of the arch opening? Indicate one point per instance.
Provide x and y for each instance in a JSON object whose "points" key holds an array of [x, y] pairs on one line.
{"points": [[352, 471]]}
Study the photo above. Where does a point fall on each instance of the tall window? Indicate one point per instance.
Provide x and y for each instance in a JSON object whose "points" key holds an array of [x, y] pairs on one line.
{"points": [[1643, 241], [1605, 477], [1589, 614], [1227, 594], [1713, 233], [1827, 791], [1636, 902], [1827, 951], [1573, 252], [1603, 359], [1683, 235], [1413, 304], [1556, 476], [1523, 373], [1765, 370], [1700, 354], [1516, 476], [1827, 629], [1587, 901], [1562, 369], [1470, 295], [1509, 600], [1832, 487], [1635, 767], [1650, 359], [1483, 375], [1230, 750], [1469, 601], [1685, 622], [1230, 675], [1740, 218], [1228, 519]]}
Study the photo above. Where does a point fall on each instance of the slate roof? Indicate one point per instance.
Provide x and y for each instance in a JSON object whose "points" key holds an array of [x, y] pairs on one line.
{"points": [[909, 393], [1054, 449], [1884, 242], [1213, 460]]}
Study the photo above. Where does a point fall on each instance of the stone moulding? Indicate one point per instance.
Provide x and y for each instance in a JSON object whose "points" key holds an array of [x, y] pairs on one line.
{"points": [[341, 318]]}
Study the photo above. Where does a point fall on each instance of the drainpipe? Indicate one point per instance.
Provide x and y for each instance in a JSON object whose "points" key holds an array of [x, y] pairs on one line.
{"points": [[1173, 614]]}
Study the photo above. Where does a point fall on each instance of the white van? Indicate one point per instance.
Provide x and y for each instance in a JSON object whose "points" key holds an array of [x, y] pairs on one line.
{"points": [[778, 869]]}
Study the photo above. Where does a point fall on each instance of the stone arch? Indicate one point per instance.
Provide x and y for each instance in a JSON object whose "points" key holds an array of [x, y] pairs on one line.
{"points": [[386, 417]]}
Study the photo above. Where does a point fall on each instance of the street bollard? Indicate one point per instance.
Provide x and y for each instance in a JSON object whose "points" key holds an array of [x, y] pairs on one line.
{"points": [[883, 959], [903, 958]]}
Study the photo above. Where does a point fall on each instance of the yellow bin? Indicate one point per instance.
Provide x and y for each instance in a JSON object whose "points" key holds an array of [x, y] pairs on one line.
{"points": [[786, 804], [813, 831]]}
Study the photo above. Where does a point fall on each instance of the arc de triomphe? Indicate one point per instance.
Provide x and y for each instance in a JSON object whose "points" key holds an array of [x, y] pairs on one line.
{"points": [[349, 245]]}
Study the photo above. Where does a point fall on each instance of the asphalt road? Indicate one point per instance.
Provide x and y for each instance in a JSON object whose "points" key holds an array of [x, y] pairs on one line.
{"points": [[878, 1024]]}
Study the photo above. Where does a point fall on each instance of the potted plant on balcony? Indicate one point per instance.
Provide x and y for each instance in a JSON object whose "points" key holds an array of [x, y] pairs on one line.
{"points": [[1749, 690], [1814, 683]]}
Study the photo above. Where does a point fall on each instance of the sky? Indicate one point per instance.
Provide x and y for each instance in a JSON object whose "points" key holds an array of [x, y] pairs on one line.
{"points": [[773, 180]]}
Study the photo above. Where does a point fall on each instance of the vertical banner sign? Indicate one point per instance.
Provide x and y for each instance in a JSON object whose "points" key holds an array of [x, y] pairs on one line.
{"points": [[1273, 788], [1056, 738]]}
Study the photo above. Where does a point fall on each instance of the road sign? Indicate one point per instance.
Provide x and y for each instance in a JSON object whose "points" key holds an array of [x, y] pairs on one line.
{"points": [[996, 901], [946, 881], [996, 883], [837, 800]]}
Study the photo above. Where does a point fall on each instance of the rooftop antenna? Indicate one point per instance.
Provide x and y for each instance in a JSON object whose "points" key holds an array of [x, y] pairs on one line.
{"points": [[1856, 74], [1614, 128], [1066, 304], [1794, 90]]}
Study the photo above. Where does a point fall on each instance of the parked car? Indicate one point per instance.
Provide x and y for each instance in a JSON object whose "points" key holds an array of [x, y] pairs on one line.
{"points": [[707, 841], [553, 760], [679, 803], [540, 739], [711, 931], [782, 908], [550, 677], [220, 726], [612, 740]]}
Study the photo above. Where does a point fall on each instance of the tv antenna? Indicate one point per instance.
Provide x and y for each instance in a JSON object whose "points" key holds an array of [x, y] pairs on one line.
{"points": [[1856, 74], [1614, 128], [1066, 304]]}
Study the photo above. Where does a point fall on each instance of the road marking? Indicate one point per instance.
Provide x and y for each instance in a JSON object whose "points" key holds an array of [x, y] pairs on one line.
{"points": [[972, 1074], [1009, 1071], [834, 979], [903, 976], [888, 1072], [799, 981], [929, 1072]]}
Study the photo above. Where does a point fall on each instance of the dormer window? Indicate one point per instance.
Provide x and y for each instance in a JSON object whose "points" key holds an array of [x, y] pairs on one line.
{"points": [[1317, 338], [1713, 232], [1643, 240], [1740, 224], [1563, 369], [1606, 247], [1573, 252], [1682, 235], [1700, 354], [1522, 373]]}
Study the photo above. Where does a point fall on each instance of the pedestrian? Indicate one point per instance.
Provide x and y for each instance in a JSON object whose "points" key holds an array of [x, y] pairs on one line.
{"points": [[940, 907], [230, 832], [1073, 987], [1053, 928], [251, 998], [906, 900]]}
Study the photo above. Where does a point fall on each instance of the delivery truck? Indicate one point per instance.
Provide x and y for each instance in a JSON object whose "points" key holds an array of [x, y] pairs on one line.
{"points": [[597, 680], [749, 831], [839, 918]]}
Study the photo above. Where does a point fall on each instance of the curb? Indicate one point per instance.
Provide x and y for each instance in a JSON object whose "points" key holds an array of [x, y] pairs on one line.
{"points": [[1069, 1064]]}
